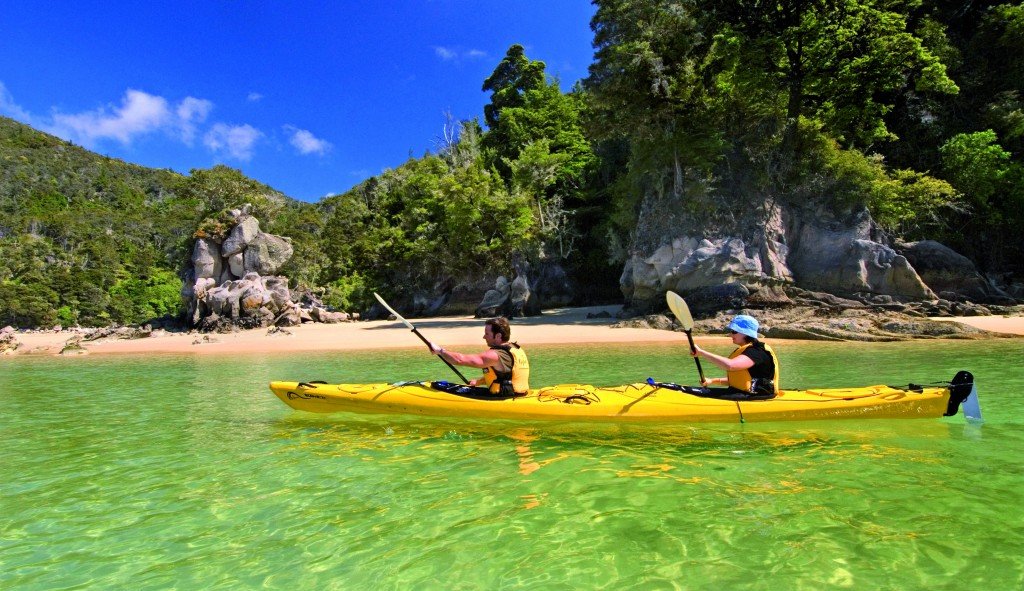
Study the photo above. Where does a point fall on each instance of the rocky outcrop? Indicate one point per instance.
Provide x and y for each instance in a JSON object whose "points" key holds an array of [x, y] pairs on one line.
{"points": [[114, 332], [690, 263], [73, 346], [266, 253], [232, 283], [951, 275], [8, 341], [509, 299], [804, 322], [495, 300], [544, 285], [839, 253], [533, 286], [842, 256]]}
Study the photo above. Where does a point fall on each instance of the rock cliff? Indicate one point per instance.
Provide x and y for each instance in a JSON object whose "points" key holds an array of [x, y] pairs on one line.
{"points": [[754, 256]]}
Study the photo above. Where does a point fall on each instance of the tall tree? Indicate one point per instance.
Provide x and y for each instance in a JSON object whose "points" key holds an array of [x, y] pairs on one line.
{"points": [[510, 81], [527, 107], [647, 84], [536, 142]]}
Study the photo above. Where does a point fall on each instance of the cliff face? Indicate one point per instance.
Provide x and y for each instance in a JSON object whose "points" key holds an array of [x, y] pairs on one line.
{"points": [[777, 244]]}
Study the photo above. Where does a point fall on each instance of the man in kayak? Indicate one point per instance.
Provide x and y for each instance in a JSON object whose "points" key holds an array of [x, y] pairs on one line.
{"points": [[752, 369], [506, 368]]}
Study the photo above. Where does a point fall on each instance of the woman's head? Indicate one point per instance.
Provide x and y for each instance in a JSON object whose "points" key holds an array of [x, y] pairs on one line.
{"points": [[744, 325]]}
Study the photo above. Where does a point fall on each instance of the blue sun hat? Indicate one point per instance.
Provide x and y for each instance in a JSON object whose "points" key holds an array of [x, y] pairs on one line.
{"points": [[745, 325]]}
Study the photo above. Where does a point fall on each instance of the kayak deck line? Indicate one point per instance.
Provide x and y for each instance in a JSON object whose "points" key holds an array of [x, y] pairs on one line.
{"points": [[637, 402]]}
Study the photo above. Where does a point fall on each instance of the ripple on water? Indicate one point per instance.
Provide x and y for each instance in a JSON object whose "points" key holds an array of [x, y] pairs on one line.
{"points": [[184, 472]]}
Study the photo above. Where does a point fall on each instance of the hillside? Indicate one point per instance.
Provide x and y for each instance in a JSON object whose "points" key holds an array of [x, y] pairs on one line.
{"points": [[86, 239]]}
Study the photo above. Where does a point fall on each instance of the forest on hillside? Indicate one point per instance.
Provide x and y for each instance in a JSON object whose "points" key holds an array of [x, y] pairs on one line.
{"points": [[912, 109]]}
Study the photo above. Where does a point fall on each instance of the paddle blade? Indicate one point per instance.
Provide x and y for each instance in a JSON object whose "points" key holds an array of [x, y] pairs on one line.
{"points": [[678, 306], [390, 309], [971, 406]]}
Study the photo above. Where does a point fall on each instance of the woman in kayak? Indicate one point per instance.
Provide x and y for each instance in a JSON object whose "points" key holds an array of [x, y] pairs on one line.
{"points": [[506, 368], [752, 369]]}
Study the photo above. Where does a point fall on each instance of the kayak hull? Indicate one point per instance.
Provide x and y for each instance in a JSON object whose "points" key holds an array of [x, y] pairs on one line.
{"points": [[628, 403]]}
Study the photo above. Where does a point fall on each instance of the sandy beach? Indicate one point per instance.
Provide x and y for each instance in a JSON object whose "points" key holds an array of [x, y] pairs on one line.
{"points": [[568, 326], [562, 326]]}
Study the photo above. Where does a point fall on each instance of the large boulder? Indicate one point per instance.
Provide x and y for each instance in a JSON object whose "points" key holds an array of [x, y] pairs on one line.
{"points": [[223, 300], [840, 256], [266, 253], [519, 294], [495, 299], [290, 316], [8, 341], [321, 315], [689, 263], [206, 259], [240, 237], [236, 264], [949, 273], [842, 265], [277, 289]]}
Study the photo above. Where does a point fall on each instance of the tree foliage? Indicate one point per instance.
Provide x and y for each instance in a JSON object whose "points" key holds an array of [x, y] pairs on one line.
{"points": [[856, 101], [423, 224], [912, 109]]}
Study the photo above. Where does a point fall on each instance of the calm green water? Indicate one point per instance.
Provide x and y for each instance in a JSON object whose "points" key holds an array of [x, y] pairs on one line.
{"points": [[185, 472]]}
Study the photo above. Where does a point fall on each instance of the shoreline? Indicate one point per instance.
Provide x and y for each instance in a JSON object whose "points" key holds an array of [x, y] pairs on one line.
{"points": [[567, 326]]}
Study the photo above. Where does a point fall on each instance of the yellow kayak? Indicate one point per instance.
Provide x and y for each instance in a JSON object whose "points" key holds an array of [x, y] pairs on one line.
{"points": [[640, 402]]}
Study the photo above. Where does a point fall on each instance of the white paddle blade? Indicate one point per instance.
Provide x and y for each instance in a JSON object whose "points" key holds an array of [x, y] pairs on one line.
{"points": [[390, 309], [971, 406], [678, 306]]}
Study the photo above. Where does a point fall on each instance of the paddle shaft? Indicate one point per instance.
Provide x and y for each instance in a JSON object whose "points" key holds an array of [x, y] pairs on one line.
{"points": [[427, 343], [693, 349], [417, 333]]}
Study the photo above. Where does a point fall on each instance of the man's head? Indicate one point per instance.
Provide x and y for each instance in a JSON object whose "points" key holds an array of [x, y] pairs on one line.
{"points": [[498, 330]]}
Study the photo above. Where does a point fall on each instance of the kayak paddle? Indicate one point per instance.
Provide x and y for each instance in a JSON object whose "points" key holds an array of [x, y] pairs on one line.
{"points": [[678, 306], [422, 338]]}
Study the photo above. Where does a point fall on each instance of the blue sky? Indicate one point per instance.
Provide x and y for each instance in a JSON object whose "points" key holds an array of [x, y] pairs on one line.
{"points": [[308, 97]]}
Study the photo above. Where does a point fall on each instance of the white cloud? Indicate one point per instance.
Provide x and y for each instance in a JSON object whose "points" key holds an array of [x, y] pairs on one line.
{"points": [[445, 53], [139, 113], [450, 54], [254, 97], [305, 142], [237, 141], [190, 112], [11, 109]]}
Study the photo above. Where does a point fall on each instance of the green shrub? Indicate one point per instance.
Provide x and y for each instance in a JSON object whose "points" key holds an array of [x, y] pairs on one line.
{"points": [[348, 293], [135, 300]]}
